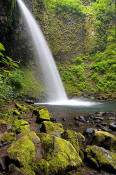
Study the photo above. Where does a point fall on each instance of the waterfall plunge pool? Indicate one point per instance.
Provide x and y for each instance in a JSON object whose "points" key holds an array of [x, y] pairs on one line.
{"points": [[80, 105]]}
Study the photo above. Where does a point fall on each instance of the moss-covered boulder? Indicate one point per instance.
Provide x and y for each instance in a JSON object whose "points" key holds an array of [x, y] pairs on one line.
{"points": [[52, 128], [104, 139], [21, 108], [13, 170], [101, 158], [24, 151], [16, 112], [21, 126], [76, 139], [8, 138], [60, 156], [3, 126], [42, 114]]}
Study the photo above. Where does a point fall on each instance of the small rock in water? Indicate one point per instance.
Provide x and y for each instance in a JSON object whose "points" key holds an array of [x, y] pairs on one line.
{"points": [[104, 124], [78, 123], [99, 118], [112, 118], [112, 126], [80, 118], [63, 119], [89, 131]]}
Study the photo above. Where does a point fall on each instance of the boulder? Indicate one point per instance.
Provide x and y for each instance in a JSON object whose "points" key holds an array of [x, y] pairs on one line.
{"points": [[13, 170], [101, 158], [75, 138], [52, 128], [21, 108], [3, 126], [60, 156], [104, 139], [21, 126], [24, 151], [8, 138], [112, 126], [42, 114]]}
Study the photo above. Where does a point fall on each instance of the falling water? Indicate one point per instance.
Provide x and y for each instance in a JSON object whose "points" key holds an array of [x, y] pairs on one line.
{"points": [[51, 75], [56, 91]]}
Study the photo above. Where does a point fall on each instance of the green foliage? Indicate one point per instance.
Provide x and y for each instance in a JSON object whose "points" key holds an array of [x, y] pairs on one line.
{"points": [[2, 47], [6, 61], [16, 79], [95, 74], [77, 60], [78, 71], [64, 5]]}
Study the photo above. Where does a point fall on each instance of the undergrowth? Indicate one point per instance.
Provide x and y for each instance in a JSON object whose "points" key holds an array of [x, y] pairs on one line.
{"points": [[94, 74]]}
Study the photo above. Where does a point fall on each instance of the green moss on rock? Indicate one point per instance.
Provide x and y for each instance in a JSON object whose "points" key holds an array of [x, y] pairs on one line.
{"points": [[21, 126], [3, 122], [104, 139], [23, 150], [52, 128], [21, 108], [76, 139], [71, 136], [42, 114], [8, 138], [101, 158], [16, 112], [60, 154]]}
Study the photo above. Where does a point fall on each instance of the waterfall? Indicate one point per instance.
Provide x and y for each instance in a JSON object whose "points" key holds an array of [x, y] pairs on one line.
{"points": [[51, 77], [52, 80]]}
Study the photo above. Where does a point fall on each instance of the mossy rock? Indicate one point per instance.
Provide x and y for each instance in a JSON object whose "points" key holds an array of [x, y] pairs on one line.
{"points": [[24, 150], [60, 155], [76, 139], [101, 158], [21, 126], [104, 139], [42, 114], [3, 122], [8, 138], [16, 112], [21, 108], [20, 171], [52, 128]]}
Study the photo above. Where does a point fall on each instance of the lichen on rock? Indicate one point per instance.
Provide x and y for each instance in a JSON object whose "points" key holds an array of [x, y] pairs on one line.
{"points": [[60, 154], [101, 158], [24, 151], [42, 114], [21, 126], [52, 128], [104, 139], [21, 108], [8, 138]]}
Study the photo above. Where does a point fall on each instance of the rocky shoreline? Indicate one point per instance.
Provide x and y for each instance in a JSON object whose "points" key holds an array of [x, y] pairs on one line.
{"points": [[34, 141]]}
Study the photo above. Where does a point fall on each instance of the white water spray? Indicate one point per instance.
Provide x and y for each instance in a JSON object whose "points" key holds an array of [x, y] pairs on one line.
{"points": [[52, 80]]}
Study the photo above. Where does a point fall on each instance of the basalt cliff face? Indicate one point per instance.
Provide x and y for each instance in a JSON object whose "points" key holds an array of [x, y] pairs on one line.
{"points": [[68, 34]]}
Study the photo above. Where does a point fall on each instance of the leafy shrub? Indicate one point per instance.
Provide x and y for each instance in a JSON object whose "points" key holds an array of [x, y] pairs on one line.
{"points": [[6, 61], [16, 79], [78, 71], [6, 90], [77, 60], [95, 77]]}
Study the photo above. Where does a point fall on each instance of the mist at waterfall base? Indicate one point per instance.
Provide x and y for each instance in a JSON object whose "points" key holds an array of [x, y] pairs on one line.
{"points": [[51, 77]]}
